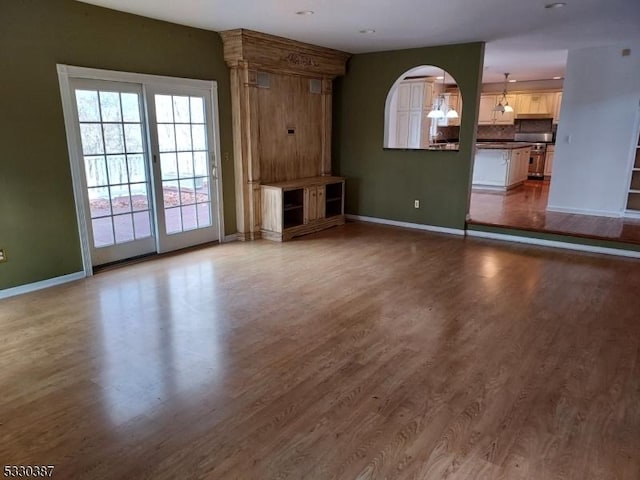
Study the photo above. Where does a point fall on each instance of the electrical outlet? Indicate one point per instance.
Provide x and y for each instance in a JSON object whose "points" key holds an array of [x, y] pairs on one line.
{"points": [[416, 204], [3, 256]]}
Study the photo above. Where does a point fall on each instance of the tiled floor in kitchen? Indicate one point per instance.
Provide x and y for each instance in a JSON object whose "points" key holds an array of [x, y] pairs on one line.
{"points": [[525, 208]]}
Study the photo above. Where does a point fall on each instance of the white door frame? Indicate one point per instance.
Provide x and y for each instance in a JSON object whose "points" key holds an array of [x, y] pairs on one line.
{"points": [[65, 72]]}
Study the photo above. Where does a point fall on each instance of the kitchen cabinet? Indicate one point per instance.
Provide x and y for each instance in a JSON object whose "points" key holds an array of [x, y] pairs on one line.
{"points": [[535, 103], [558, 105], [302, 206], [487, 104], [414, 100], [488, 115], [506, 118], [282, 91], [500, 169], [548, 161], [450, 101]]}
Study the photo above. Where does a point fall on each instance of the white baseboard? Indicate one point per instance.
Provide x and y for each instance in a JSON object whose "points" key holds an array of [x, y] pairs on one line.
{"points": [[581, 211], [555, 244], [230, 238], [415, 226], [32, 287], [631, 214]]}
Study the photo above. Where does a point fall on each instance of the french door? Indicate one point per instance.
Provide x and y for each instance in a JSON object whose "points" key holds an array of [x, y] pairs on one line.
{"points": [[185, 186], [146, 177]]}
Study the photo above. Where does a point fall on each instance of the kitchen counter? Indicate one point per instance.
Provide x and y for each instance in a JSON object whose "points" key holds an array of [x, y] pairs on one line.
{"points": [[502, 145]]}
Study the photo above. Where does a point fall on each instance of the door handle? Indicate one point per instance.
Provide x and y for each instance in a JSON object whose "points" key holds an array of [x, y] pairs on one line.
{"points": [[214, 170]]}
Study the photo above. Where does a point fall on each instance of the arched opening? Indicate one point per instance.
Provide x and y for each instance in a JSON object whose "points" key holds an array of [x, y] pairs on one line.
{"points": [[423, 110]]}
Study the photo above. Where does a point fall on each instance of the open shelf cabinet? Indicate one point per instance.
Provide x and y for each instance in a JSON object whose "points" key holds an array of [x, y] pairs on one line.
{"points": [[633, 197], [301, 206]]}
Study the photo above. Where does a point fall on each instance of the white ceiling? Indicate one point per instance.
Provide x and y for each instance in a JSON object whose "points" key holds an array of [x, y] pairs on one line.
{"points": [[522, 37]]}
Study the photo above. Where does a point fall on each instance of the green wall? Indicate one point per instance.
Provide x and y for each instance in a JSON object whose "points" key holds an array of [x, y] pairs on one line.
{"points": [[38, 225], [384, 183]]}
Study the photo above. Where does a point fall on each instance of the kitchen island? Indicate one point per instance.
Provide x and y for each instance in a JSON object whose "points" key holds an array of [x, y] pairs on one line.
{"points": [[501, 166]]}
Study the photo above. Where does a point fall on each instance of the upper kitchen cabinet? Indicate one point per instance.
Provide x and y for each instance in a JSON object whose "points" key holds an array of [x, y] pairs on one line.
{"points": [[413, 98], [506, 118], [450, 101], [536, 104], [488, 114], [421, 101], [558, 105]]}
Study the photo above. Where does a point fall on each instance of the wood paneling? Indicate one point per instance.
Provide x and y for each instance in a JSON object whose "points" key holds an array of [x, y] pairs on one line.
{"points": [[288, 105], [264, 149], [364, 352]]}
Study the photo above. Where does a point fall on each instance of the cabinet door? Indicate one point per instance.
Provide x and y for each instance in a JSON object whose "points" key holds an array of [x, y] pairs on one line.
{"points": [[415, 120], [404, 96], [417, 95], [310, 204], [428, 96], [514, 167], [402, 130], [548, 163], [487, 114], [320, 200], [526, 155], [556, 113]]}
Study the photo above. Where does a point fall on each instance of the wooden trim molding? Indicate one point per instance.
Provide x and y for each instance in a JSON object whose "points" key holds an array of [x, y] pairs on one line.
{"points": [[32, 287], [413, 226], [273, 53]]}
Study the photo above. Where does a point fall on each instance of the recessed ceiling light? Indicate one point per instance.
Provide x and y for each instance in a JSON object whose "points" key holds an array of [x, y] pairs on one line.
{"points": [[557, 78], [440, 78], [368, 30], [513, 81], [305, 12], [556, 5]]}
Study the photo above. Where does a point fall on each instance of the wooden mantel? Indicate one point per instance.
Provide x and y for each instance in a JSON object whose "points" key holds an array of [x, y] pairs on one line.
{"points": [[282, 131]]}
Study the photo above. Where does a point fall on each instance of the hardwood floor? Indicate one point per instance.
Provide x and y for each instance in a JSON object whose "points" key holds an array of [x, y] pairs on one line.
{"points": [[526, 208], [361, 352]]}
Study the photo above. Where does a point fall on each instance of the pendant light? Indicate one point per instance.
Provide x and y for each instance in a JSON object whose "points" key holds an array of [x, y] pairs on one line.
{"points": [[436, 111], [503, 105], [451, 112]]}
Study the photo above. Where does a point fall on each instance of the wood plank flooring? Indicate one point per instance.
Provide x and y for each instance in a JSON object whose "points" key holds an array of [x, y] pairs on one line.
{"points": [[361, 352], [525, 208]]}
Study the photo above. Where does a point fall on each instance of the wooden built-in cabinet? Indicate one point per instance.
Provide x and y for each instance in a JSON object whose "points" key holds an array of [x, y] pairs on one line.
{"points": [[281, 99], [633, 197], [298, 207]]}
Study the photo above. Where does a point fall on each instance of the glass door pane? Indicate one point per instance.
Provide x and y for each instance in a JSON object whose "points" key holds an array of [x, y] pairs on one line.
{"points": [[112, 133], [182, 140]]}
